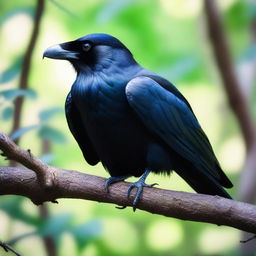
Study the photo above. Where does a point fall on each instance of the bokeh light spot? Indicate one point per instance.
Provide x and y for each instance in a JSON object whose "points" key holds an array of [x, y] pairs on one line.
{"points": [[165, 234], [218, 239], [119, 235]]}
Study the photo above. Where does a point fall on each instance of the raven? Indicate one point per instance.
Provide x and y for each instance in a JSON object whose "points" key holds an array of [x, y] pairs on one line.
{"points": [[132, 120]]}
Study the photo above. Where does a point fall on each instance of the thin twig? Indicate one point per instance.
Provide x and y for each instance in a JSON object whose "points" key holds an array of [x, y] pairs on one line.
{"points": [[8, 248]]}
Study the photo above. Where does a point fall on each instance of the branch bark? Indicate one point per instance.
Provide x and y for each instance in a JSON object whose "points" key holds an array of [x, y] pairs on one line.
{"points": [[72, 184], [181, 205], [45, 173]]}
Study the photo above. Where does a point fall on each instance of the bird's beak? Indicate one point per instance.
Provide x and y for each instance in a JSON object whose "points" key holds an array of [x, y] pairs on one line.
{"points": [[57, 52]]}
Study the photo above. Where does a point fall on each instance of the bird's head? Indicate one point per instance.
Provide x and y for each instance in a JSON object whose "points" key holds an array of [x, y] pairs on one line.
{"points": [[94, 52]]}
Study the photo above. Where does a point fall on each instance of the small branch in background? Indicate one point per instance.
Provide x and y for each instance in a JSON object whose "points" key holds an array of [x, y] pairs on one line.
{"points": [[23, 82], [235, 96], [8, 248], [21, 237], [49, 242], [239, 103]]}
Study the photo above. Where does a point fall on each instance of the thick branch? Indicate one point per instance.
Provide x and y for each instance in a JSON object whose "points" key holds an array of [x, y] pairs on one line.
{"points": [[72, 184], [181, 205], [44, 172], [237, 99]]}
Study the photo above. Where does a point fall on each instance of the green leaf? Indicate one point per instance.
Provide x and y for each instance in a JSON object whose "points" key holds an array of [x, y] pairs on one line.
{"points": [[55, 225], [84, 233], [13, 207], [11, 72], [7, 113], [12, 94], [47, 114], [20, 132], [52, 134]]}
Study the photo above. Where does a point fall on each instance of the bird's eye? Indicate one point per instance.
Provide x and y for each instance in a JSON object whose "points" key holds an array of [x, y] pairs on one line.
{"points": [[86, 47]]}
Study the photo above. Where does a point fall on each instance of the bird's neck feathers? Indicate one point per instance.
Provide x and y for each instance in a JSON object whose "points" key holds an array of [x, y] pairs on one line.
{"points": [[106, 60], [109, 66]]}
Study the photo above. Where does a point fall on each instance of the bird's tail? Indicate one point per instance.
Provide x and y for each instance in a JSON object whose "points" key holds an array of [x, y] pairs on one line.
{"points": [[202, 183]]}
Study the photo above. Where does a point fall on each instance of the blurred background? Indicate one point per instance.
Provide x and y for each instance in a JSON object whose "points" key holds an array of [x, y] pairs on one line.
{"points": [[168, 37]]}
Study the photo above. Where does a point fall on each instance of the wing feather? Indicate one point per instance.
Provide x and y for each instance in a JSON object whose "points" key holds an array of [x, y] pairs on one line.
{"points": [[78, 130], [170, 117]]}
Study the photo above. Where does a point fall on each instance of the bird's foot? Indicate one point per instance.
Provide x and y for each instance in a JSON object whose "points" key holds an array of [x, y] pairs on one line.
{"points": [[112, 180], [139, 185]]}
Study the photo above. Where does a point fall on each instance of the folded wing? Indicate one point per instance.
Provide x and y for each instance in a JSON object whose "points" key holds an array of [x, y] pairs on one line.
{"points": [[171, 118], [78, 130]]}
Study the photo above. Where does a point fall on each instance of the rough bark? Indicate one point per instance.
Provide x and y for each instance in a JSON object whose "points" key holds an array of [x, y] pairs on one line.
{"points": [[181, 205]]}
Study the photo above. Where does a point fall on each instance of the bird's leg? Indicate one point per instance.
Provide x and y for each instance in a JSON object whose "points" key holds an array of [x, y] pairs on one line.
{"points": [[139, 184], [112, 180]]}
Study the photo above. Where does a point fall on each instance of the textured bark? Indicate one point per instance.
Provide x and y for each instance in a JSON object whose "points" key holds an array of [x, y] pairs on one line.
{"points": [[181, 205]]}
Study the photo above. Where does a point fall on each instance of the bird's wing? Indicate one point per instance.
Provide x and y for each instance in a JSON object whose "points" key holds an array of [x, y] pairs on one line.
{"points": [[170, 117], [79, 131]]}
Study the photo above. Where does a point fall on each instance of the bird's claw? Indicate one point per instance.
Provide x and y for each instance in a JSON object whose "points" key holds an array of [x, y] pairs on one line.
{"points": [[120, 207], [139, 184], [112, 180]]}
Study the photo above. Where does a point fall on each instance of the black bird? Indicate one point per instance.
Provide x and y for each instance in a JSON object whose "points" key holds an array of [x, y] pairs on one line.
{"points": [[132, 120]]}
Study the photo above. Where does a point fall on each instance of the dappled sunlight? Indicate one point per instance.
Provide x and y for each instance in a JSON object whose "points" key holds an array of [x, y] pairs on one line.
{"points": [[15, 32], [90, 250], [120, 235], [164, 235], [182, 8], [68, 245], [218, 240], [232, 154]]}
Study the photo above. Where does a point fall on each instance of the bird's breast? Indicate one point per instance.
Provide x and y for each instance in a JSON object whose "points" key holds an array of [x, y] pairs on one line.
{"points": [[100, 101]]}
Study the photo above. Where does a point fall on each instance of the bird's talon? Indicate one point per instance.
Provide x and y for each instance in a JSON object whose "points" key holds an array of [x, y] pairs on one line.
{"points": [[120, 207], [152, 185]]}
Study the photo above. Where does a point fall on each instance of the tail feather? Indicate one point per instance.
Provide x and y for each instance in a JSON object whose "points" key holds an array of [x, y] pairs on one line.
{"points": [[204, 184]]}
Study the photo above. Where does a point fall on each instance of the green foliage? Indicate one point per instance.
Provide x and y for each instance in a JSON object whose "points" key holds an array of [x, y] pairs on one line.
{"points": [[12, 94], [21, 131], [47, 132], [47, 114], [7, 113], [13, 207], [164, 38], [85, 233], [11, 72]]}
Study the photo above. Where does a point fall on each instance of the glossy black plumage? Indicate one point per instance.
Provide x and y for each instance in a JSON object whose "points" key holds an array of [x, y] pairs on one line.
{"points": [[131, 119]]}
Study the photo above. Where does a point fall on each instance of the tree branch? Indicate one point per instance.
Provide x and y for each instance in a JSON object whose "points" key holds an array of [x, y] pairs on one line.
{"points": [[23, 82], [72, 184], [236, 97], [181, 205], [44, 172]]}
